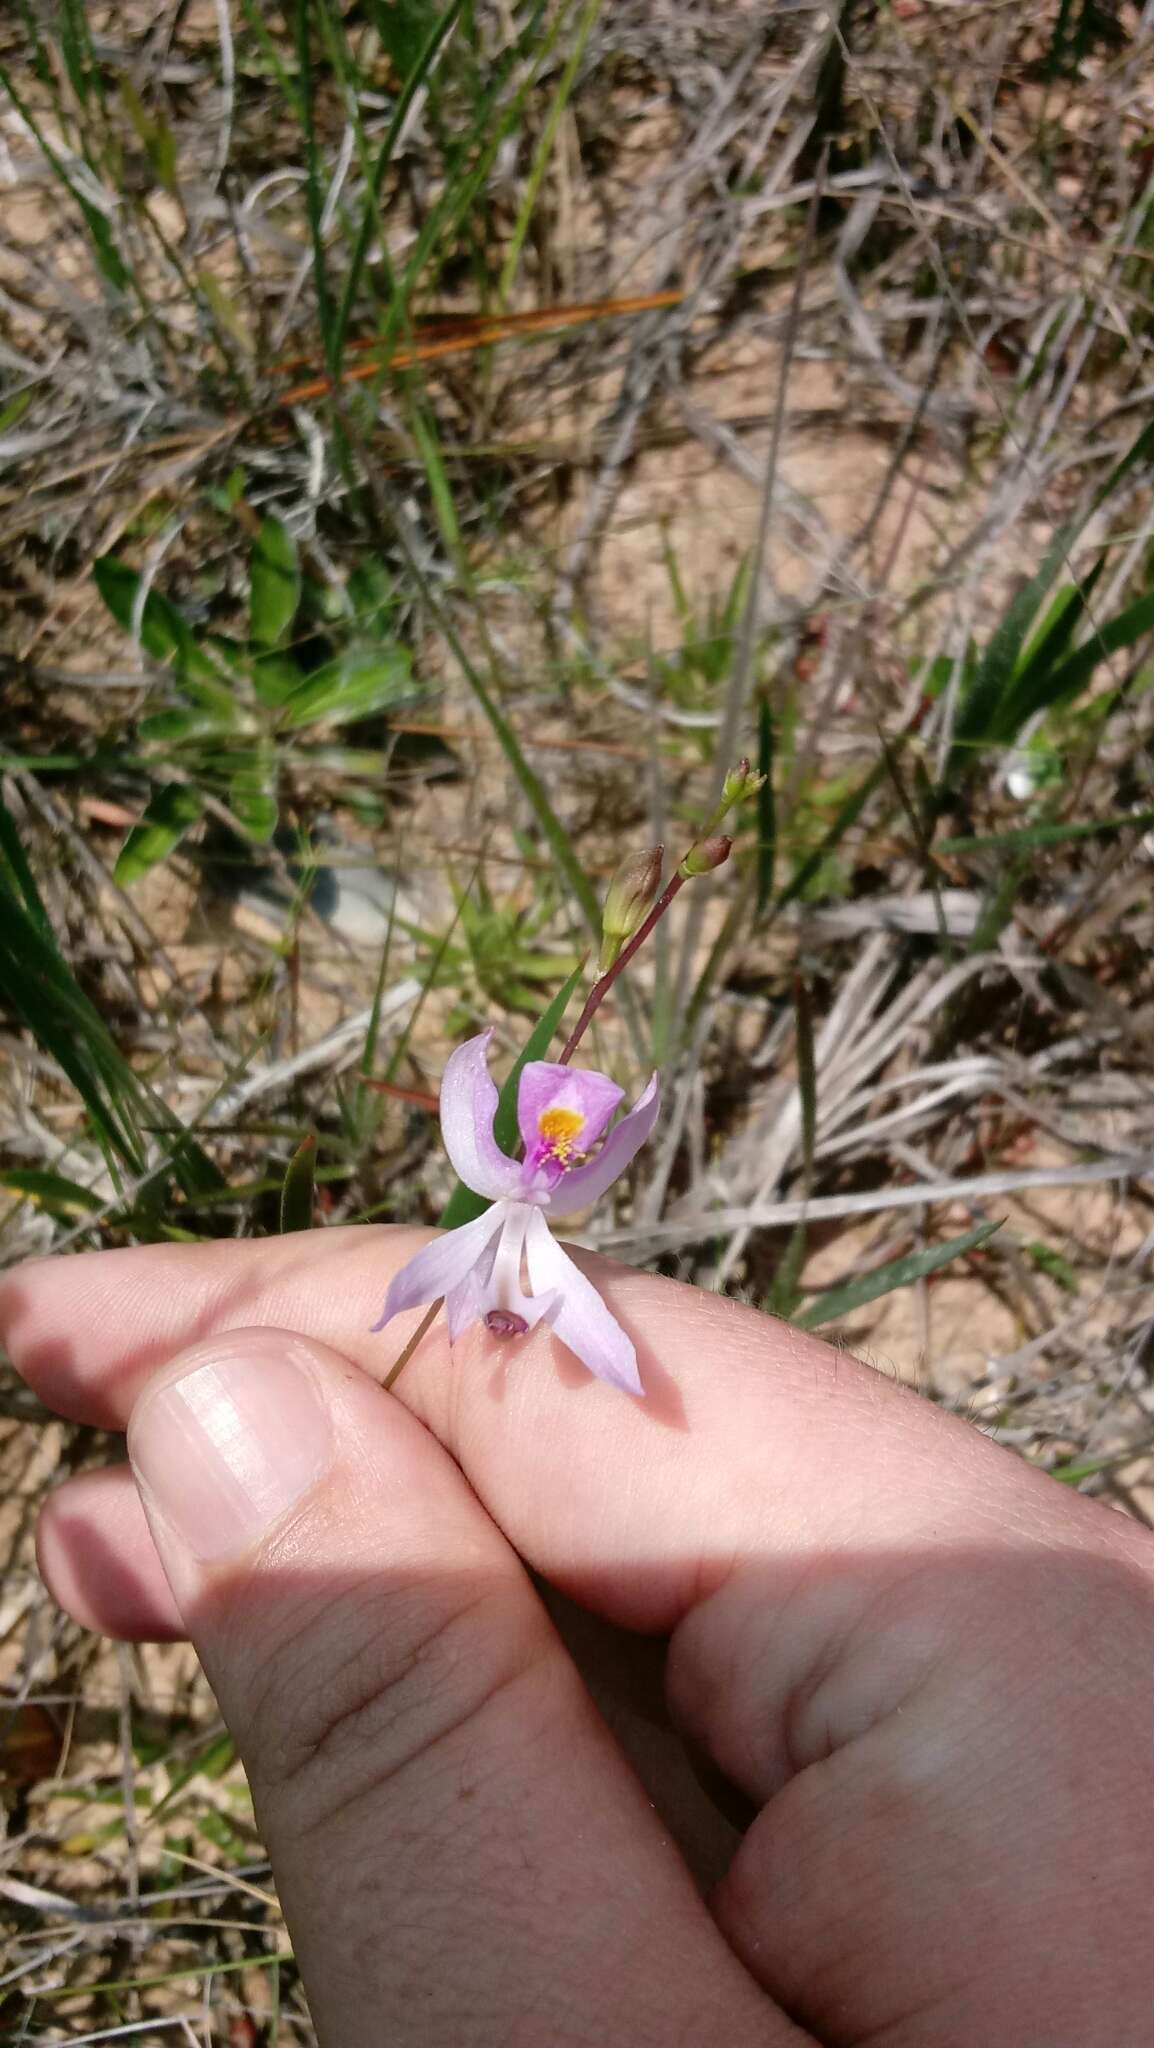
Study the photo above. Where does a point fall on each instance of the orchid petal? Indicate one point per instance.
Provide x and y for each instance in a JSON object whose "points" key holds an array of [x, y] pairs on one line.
{"points": [[580, 1317], [466, 1302], [440, 1266], [468, 1106], [584, 1184], [580, 1093]]}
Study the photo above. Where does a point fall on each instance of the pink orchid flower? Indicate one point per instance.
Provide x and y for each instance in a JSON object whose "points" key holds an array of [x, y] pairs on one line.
{"points": [[477, 1268]]}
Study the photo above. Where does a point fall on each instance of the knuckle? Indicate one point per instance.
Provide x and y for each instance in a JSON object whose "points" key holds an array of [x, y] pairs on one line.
{"points": [[355, 1691]]}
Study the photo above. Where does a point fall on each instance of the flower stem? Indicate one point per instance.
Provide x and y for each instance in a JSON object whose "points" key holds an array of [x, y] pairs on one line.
{"points": [[602, 986], [423, 1329]]}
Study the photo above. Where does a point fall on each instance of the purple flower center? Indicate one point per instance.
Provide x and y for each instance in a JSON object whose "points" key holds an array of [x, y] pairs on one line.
{"points": [[504, 1322]]}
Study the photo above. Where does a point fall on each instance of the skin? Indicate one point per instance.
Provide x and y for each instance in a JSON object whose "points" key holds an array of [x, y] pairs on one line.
{"points": [[915, 1678]]}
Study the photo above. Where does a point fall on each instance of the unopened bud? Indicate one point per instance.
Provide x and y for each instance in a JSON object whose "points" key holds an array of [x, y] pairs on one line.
{"points": [[707, 854], [741, 782], [630, 896]]}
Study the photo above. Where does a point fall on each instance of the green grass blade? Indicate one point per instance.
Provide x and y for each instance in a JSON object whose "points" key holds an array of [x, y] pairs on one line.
{"points": [[806, 1079], [314, 188], [39, 989], [848, 815], [52, 1192], [370, 217], [841, 1301], [544, 150], [1070, 677], [1026, 837], [17, 876], [298, 1190], [766, 809]]}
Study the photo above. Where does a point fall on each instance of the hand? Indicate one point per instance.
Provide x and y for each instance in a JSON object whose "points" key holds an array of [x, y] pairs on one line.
{"points": [[928, 1669]]}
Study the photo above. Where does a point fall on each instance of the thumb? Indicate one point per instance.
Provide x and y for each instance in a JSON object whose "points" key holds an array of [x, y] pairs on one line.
{"points": [[462, 1853]]}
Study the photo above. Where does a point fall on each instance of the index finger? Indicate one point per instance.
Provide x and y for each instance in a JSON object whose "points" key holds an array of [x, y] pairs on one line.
{"points": [[754, 1439]]}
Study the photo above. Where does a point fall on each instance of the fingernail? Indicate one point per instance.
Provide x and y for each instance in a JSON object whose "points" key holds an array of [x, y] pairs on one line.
{"points": [[228, 1447]]}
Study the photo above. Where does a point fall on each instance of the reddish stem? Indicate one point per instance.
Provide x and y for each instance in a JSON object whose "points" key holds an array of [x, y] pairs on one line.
{"points": [[601, 988]]}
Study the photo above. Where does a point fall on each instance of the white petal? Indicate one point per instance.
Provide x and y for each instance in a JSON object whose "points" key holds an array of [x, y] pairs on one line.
{"points": [[580, 1317], [441, 1265]]}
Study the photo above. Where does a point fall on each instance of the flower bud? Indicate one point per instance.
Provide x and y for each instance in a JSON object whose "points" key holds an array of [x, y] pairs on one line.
{"points": [[741, 782], [630, 896], [707, 854]]}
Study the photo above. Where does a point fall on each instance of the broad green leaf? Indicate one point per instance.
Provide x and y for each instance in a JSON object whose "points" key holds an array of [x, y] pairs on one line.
{"points": [[164, 632], [53, 1192], [463, 1204], [274, 678], [355, 685], [252, 793], [298, 1191], [163, 824], [371, 591], [186, 722], [840, 1301], [275, 583]]}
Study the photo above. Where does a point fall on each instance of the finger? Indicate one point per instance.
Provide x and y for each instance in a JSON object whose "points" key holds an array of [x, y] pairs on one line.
{"points": [[754, 1439], [463, 1855], [98, 1560]]}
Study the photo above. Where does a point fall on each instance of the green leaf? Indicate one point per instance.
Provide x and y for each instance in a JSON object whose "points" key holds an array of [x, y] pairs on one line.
{"points": [[463, 1204], [18, 877], [40, 990], [186, 723], [275, 677], [252, 794], [806, 1078], [53, 1192], [355, 685], [766, 813], [1053, 1264], [1026, 836], [984, 706], [171, 813], [986, 709], [15, 409], [1070, 678], [840, 1301], [297, 1193], [275, 583], [163, 630]]}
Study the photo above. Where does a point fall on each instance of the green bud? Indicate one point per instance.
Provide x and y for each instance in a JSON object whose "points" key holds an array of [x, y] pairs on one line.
{"points": [[741, 782], [707, 854], [630, 897]]}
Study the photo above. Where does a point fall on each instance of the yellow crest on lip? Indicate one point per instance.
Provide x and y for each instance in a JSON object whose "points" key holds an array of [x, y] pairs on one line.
{"points": [[559, 1128]]}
